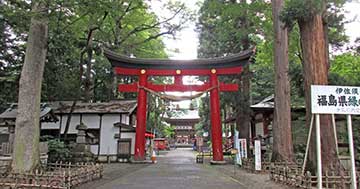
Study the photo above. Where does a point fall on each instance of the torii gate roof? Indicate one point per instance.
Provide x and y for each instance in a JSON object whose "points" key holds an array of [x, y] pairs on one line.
{"points": [[240, 59]]}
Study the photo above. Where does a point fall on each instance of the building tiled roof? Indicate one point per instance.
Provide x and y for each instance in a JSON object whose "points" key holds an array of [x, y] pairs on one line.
{"points": [[46, 113], [268, 102], [48, 110], [121, 106]]}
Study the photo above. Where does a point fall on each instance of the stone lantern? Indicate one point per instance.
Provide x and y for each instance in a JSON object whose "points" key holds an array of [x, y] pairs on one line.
{"points": [[81, 151]]}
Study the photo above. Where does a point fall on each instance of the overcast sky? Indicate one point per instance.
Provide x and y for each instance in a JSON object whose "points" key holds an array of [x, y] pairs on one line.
{"points": [[353, 13]]}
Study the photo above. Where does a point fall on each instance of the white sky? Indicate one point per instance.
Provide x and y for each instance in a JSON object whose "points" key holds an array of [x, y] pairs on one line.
{"points": [[187, 41], [185, 46], [353, 13]]}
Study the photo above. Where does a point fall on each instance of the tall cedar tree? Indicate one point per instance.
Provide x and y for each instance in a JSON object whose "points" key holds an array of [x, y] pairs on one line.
{"points": [[282, 145], [243, 114], [26, 153], [310, 16], [316, 67]]}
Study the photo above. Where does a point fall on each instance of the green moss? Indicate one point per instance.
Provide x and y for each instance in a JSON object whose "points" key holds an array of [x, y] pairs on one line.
{"points": [[19, 156]]}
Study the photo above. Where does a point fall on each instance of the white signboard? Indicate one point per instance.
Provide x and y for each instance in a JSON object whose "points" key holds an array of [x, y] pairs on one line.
{"points": [[243, 148], [257, 155], [327, 99], [237, 146]]}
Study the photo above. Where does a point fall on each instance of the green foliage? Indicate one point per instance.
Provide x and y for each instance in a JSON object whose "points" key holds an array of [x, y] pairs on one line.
{"points": [[204, 113], [127, 27], [222, 26], [169, 131], [295, 10], [58, 151], [228, 27], [332, 12], [345, 69]]}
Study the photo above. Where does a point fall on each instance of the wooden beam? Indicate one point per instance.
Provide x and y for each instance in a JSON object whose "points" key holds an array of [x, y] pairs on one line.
{"points": [[176, 87], [192, 72]]}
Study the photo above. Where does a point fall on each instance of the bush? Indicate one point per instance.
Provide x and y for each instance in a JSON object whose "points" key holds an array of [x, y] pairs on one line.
{"points": [[58, 151]]}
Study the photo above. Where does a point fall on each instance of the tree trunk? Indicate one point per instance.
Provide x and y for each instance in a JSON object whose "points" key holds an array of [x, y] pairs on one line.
{"points": [[26, 155], [315, 68], [88, 92], [68, 120], [282, 145], [244, 111], [243, 118]]}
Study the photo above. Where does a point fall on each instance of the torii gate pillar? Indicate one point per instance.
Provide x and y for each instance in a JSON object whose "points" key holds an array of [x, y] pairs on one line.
{"points": [[141, 119], [216, 129]]}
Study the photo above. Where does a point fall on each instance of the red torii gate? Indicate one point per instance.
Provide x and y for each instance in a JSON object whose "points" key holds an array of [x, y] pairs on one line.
{"points": [[143, 68]]}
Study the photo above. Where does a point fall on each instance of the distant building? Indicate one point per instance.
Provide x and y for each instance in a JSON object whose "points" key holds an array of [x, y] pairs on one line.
{"points": [[261, 119], [184, 127]]}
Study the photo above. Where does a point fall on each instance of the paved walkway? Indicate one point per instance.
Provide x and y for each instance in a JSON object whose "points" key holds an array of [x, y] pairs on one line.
{"points": [[175, 170]]}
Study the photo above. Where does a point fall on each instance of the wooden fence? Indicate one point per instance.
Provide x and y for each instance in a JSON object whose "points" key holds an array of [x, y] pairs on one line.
{"points": [[55, 176], [291, 175], [249, 165]]}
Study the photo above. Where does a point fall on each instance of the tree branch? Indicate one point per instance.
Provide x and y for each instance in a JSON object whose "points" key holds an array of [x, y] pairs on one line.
{"points": [[145, 27]]}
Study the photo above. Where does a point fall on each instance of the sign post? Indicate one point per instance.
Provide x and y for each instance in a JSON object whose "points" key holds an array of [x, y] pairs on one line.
{"points": [[257, 155], [318, 151], [243, 148], [327, 99], [237, 146], [351, 146]]}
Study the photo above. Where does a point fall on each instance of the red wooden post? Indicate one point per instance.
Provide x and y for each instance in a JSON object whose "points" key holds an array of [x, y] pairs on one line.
{"points": [[141, 119], [178, 78], [216, 130]]}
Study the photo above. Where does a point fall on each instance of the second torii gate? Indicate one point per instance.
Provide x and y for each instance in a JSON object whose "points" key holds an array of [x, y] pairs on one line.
{"points": [[143, 68]]}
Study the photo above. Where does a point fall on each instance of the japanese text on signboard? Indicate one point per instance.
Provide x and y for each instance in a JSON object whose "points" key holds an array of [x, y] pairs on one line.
{"points": [[335, 99]]}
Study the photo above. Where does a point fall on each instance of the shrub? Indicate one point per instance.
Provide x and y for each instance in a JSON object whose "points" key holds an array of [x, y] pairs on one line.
{"points": [[58, 151]]}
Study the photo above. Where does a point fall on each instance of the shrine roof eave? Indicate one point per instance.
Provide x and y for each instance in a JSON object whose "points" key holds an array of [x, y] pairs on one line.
{"points": [[240, 59]]}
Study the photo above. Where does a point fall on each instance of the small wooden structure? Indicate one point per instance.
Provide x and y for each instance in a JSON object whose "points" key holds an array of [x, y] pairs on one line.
{"points": [[126, 141], [161, 144], [8, 117]]}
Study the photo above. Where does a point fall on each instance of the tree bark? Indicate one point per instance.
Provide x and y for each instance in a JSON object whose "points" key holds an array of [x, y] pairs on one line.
{"points": [[68, 120], [282, 143], [88, 92], [315, 66], [243, 118], [26, 155]]}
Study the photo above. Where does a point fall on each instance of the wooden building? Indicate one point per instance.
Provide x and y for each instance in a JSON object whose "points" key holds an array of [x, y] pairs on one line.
{"points": [[108, 123], [184, 128]]}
